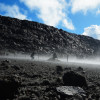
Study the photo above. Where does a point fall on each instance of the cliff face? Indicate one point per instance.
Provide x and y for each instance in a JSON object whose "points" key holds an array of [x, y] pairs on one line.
{"points": [[28, 36]]}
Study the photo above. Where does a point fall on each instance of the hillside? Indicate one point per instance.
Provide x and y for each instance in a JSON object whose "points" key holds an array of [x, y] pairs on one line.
{"points": [[27, 36]]}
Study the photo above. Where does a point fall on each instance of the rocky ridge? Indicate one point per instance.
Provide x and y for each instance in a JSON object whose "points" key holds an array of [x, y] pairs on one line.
{"points": [[27, 36]]}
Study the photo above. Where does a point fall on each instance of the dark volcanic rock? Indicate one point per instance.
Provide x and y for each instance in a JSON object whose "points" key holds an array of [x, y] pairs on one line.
{"points": [[59, 69], [4, 64], [45, 82], [26, 36], [59, 80], [8, 87], [15, 67], [74, 79], [80, 69]]}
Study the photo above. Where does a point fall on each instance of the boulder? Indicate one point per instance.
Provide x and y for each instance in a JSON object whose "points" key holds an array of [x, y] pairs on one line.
{"points": [[74, 79]]}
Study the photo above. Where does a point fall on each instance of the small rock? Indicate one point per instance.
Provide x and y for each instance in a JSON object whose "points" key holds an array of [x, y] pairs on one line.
{"points": [[68, 69], [15, 67], [36, 76], [93, 96], [6, 61], [59, 80], [4, 65], [83, 72], [80, 69], [97, 96], [45, 82], [59, 69]]}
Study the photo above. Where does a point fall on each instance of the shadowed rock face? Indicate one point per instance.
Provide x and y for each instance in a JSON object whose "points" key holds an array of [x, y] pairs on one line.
{"points": [[26, 36], [8, 88], [74, 79]]}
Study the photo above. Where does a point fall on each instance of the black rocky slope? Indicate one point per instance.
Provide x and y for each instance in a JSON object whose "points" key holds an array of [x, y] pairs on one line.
{"points": [[26, 36]]}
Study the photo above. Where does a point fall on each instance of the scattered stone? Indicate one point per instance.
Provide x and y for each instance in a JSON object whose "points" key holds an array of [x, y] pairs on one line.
{"points": [[15, 67], [6, 61], [97, 96], [4, 64], [4, 67], [74, 79], [59, 80], [93, 96], [71, 91], [83, 72], [59, 69], [45, 82], [68, 69], [80, 69], [36, 76]]}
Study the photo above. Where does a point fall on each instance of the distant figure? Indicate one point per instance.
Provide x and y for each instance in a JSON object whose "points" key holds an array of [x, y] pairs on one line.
{"points": [[54, 55], [32, 55]]}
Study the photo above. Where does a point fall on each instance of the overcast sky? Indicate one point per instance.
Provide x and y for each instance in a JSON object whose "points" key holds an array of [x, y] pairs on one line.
{"points": [[75, 16]]}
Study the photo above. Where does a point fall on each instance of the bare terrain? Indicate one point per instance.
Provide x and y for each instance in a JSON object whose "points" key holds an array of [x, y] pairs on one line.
{"points": [[37, 80]]}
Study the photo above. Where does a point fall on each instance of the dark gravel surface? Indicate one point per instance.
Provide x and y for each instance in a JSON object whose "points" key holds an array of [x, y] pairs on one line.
{"points": [[37, 80]]}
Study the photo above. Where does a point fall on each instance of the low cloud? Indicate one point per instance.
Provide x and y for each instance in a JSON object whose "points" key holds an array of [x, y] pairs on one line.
{"points": [[52, 12], [12, 11], [93, 31], [84, 5], [98, 11]]}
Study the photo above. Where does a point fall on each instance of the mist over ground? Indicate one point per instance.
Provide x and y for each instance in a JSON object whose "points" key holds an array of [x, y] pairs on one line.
{"points": [[61, 59]]}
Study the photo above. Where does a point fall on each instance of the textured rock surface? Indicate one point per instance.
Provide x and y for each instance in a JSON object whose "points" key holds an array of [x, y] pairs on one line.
{"points": [[71, 90], [74, 79], [27, 36], [8, 87], [33, 80]]}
